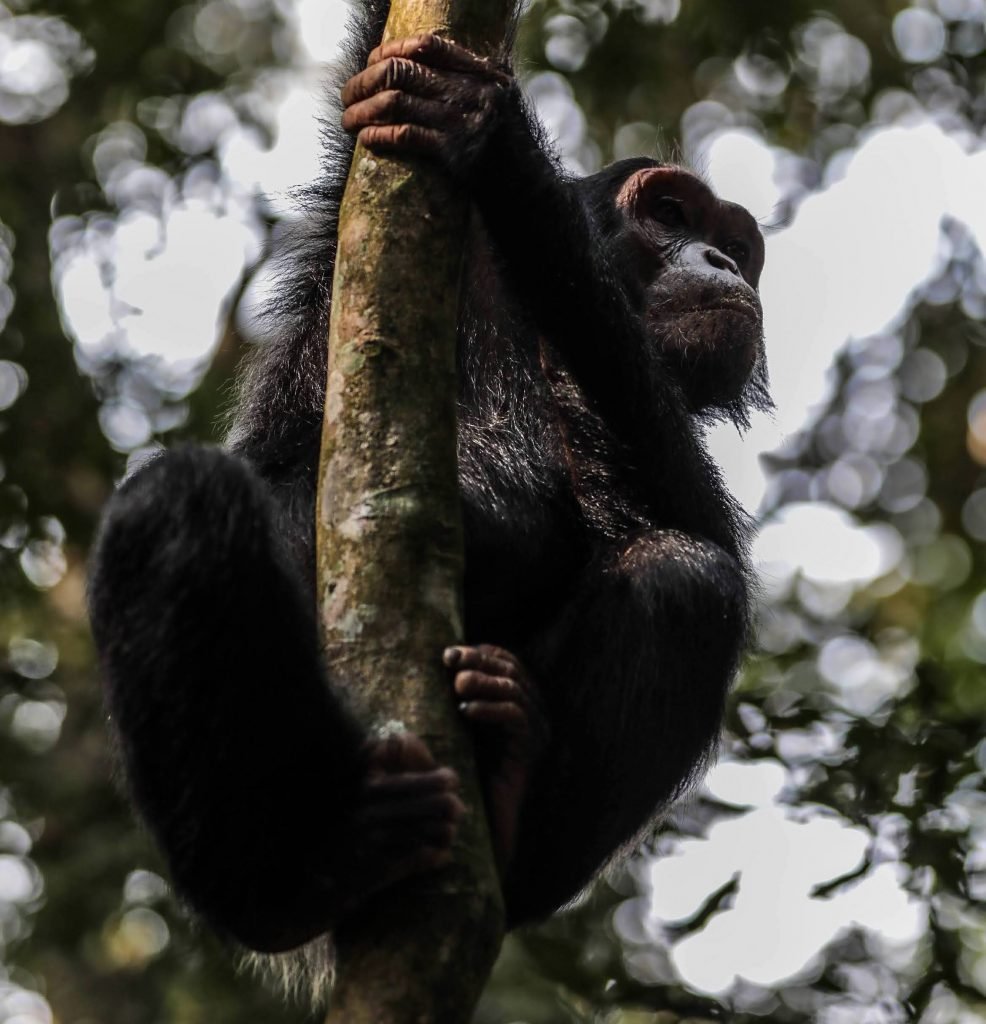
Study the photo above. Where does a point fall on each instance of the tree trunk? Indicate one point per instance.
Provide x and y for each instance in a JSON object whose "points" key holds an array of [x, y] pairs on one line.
{"points": [[389, 541]]}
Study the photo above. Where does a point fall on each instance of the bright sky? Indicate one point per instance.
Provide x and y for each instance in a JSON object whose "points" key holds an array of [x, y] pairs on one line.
{"points": [[772, 929], [843, 268], [876, 222]]}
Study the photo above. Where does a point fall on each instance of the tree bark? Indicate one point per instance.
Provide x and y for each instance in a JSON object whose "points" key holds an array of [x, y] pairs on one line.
{"points": [[389, 542]]}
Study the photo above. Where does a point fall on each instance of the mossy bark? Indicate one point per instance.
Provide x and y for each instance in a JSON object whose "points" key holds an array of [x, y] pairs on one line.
{"points": [[389, 541]]}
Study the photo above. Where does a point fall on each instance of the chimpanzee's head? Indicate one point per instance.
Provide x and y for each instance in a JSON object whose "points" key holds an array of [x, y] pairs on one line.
{"points": [[697, 261]]}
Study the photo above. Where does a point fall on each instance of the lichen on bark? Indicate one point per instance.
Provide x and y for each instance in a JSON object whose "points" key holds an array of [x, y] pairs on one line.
{"points": [[389, 543]]}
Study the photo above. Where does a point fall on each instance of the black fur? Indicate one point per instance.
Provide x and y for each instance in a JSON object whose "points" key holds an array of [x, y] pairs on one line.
{"points": [[602, 548]]}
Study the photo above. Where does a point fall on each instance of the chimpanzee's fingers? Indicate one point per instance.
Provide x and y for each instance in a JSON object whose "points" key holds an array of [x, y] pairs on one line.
{"points": [[436, 806], [472, 685], [486, 712], [438, 53], [501, 654], [393, 107], [408, 785], [484, 658], [397, 753], [395, 73], [404, 139]]}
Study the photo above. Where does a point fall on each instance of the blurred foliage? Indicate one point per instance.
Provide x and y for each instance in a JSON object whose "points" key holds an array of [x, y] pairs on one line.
{"points": [[91, 94]]}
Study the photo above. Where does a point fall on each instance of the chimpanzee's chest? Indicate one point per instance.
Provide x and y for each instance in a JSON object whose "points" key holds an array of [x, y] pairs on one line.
{"points": [[523, 557]]}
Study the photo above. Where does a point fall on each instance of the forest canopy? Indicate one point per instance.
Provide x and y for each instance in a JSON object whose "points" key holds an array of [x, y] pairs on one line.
{"points": [[832, 868]]}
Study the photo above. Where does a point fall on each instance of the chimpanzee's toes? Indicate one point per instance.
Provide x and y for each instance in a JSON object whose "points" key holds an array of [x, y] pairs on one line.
{"points": [[407, 818], [492, 687]]}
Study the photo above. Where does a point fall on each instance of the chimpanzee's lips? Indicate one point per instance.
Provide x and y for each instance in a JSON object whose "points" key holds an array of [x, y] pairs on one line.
{"points": [[742, 308], [691, 297]]}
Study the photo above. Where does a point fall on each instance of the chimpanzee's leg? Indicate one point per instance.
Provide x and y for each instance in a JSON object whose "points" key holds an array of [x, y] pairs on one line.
{"points": [[632, 678], [273, 810]]}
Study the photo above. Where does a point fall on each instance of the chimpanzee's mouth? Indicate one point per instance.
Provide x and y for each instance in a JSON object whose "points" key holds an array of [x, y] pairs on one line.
{"points": [[741, 308]]}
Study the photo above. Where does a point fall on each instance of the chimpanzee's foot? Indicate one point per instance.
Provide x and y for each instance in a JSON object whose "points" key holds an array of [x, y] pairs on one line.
{"points": [[407, 817], [497, 696]]}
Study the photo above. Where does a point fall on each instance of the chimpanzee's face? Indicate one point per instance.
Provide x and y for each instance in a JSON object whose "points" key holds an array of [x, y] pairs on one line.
{"points": [[700, 260]]}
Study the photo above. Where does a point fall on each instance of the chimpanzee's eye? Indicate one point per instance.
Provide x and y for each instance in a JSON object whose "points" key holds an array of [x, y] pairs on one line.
{"points": [[738, 251], [670, 212]]}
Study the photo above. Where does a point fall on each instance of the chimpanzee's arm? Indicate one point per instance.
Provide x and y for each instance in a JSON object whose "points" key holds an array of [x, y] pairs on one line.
{"points": [[560, 255], [426, 96], [562, 246]]}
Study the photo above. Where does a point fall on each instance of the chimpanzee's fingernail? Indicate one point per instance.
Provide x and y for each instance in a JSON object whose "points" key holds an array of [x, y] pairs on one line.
{"points": [[451, 656]]}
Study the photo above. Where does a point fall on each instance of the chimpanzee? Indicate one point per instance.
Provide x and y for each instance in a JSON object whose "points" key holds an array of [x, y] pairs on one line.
{"points": [[604, 322]]}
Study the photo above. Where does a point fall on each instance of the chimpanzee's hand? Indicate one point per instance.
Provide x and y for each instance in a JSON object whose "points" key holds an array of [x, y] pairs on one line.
{"points": [[426, 96]]}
